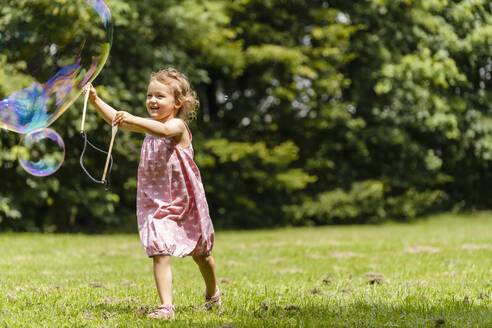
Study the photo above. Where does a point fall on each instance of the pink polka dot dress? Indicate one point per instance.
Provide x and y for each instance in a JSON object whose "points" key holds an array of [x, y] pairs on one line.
{"points": [[172, 211]]}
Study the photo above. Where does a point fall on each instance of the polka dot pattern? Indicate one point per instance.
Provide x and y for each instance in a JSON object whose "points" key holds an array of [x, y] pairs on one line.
{"points": [[172, 210]]}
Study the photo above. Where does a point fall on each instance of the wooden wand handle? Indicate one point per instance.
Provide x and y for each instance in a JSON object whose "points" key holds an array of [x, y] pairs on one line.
{"points": [[113, 134], [86, 98]]}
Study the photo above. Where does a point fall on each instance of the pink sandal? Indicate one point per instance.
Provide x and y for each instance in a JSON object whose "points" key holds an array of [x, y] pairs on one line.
{"points": [[165, 311], [213, 300]]}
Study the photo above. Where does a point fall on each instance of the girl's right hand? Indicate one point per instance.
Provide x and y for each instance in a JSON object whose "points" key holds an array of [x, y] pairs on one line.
{"points": [[92, 91]]}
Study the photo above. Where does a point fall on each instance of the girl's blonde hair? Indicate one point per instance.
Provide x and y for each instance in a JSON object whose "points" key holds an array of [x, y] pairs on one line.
{"points": [[182, 91]]}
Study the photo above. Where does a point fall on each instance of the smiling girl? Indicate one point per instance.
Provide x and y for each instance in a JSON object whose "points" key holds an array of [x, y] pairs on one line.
{"points": [[172, 211]]}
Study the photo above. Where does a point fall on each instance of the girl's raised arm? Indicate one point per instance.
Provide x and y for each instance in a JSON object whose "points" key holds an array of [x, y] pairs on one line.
{"points": [[171, 128], [107, 112]]}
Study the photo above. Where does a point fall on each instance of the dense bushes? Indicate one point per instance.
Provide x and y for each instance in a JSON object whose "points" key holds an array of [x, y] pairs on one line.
{"points": [[365, 202], [311, 113]]}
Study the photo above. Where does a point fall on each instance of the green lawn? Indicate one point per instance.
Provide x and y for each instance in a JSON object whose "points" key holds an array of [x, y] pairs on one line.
{"points": [[436, 272]]}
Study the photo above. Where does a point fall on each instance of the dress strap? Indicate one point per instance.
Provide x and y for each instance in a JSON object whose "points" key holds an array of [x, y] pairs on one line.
{"points": [[189, 132]]}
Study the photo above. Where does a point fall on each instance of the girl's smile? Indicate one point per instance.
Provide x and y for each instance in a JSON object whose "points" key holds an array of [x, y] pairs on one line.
{"points": [[161, 104]]}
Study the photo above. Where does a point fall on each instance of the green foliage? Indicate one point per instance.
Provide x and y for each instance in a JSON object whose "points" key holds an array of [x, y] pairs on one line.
{"points": [[364, 202], [413, 203], [311, 112], [237, 169], [419, 71]]}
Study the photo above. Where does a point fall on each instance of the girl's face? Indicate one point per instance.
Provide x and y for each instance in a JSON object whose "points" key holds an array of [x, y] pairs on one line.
{"points": [[161, 103]]}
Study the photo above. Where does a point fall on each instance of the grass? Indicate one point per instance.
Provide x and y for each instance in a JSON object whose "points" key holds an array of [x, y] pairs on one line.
{"points": [[436, 272]]}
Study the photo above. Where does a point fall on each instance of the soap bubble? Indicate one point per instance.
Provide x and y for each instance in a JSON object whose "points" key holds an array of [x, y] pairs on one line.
{"points": [[48, 51], [41, 152]]}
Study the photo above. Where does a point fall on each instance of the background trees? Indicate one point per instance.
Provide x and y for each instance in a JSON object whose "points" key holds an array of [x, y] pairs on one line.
{"points": [[311, 113]]}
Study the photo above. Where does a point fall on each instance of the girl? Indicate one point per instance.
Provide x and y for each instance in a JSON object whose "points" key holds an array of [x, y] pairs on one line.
{"points": [[172, 211]]}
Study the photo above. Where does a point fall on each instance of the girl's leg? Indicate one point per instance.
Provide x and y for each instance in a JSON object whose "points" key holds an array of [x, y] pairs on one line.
{"points": [[163, 278], [207, 268]]}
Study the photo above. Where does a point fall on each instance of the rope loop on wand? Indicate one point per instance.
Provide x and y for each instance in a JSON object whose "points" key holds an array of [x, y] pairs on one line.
{"points": [[106, 183], [109, 160]]}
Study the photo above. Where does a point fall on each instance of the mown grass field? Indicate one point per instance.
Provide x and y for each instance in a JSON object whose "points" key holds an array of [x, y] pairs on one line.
{"points": [[436, 272]]}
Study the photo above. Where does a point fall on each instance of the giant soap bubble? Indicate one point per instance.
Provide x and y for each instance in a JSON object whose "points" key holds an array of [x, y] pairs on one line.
{"points": [[41, 152], [49, 49]]}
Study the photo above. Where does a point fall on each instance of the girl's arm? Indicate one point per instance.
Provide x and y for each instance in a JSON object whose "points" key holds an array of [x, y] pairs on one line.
{"points": [[126, 121], [171, 128], [105, 111]]}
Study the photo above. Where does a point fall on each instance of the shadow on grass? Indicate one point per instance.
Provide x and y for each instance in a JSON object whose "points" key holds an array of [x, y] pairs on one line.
{"points": [[361, 314], [128, 307], [446, 314]]}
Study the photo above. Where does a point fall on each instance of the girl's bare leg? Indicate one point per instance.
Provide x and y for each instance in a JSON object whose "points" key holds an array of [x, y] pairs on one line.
{"points": [[163, 278], [207, 268]]}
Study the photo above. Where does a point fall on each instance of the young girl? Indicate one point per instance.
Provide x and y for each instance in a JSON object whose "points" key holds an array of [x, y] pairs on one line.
{"points": [[172, 211]]}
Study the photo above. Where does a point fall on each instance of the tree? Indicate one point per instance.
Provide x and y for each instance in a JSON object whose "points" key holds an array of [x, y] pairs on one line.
{"points": [[311, 112]]}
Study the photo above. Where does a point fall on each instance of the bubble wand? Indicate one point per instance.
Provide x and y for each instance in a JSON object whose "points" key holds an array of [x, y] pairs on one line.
{"points": [[109, 159], [86, 99], [114, 129]]}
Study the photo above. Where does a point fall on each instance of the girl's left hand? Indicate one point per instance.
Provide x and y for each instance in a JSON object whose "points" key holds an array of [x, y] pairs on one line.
{"points": [[121, 117]]}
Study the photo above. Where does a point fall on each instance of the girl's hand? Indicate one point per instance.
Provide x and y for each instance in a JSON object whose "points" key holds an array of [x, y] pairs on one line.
{"points": [[92, 91], [122, 117]]}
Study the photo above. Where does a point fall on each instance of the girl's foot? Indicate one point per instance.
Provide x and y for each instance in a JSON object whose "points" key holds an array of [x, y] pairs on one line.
{"points": [[165, 311], [213, 300]]}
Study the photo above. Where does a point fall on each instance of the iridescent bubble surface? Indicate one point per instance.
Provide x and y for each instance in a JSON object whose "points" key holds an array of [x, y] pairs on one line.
{"points": [[41, 152], [50, 49]]}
